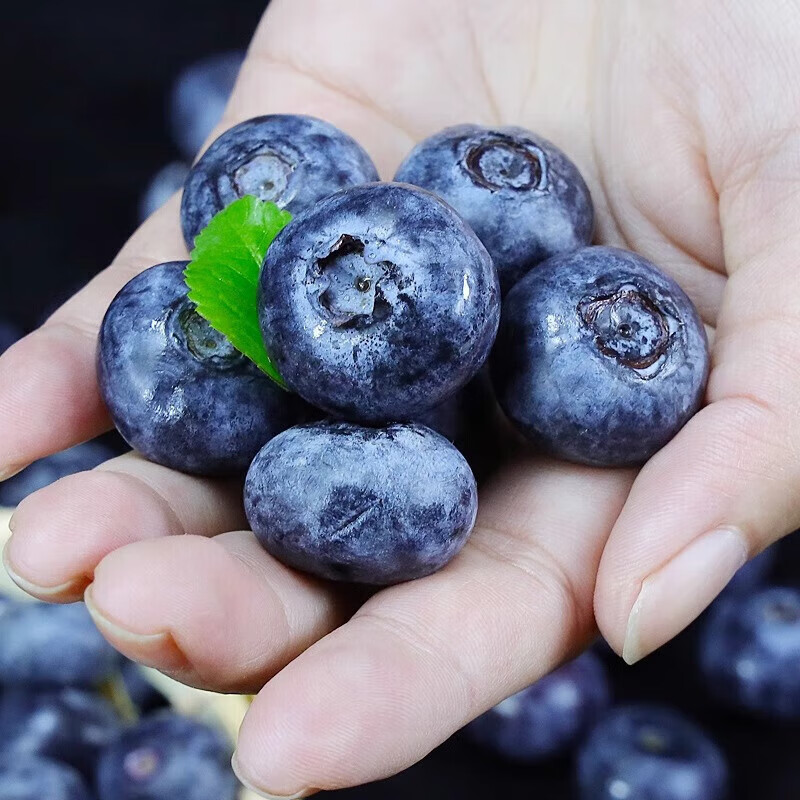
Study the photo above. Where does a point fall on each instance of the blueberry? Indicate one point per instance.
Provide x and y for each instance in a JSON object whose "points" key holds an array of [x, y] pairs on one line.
{"points": [[164, 184], [371, 505], [601, 358], [379, 303], [549, 717], [167, 757], [750, 652], [53, 645], [48, 470], [69, 725], [293, 161], [8, 335], [650, 753], [144, 696], [33, 778], [177, 390], [523, 197], [198, 99]]}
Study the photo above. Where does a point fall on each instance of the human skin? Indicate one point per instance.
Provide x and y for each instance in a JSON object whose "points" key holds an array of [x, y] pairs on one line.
{"points": [[684, 120]]}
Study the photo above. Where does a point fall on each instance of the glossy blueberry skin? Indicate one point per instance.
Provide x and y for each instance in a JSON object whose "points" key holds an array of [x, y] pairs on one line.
{"points": [[34, 778], [167, 757], [750, 652], [293, 161], [601, 358], [368, 505], [650, 753], [69, 725], [168, 180], [44, 644], [379, 303], [8, 335], [177, 390], [522, 196], [198, 99], [48, 470], [549, 717]]}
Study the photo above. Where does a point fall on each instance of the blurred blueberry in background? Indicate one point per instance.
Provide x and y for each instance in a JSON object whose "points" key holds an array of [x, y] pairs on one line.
{"points": [[549, 717], [42, 644], [164, 184], [144, 696], [50, 469], [650, 753], [750, 652], [198, 98], [32, 778], [753, 573]]}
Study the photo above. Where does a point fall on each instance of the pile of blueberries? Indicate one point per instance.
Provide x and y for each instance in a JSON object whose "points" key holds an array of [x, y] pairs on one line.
{"points": [[399, 314]]}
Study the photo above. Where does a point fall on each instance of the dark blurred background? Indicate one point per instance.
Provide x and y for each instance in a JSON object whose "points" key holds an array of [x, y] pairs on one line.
{"points": [[84, 94]]}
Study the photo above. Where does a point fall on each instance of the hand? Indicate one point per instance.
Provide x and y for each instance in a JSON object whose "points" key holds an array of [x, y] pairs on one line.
{"points": [[684, 119]]}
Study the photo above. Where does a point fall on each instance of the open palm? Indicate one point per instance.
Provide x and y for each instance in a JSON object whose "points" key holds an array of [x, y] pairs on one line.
{"points": [[683, 118]]}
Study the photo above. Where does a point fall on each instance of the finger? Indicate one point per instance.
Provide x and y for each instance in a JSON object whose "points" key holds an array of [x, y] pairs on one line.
{"points": [[61, 532], [421, 659], [726, 486], [214, 613], [49, 398]]}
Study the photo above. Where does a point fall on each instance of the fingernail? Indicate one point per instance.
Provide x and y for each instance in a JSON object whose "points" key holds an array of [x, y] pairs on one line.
{"points": [[260, 792], [157, 650], [678, 592], [70, 587]]}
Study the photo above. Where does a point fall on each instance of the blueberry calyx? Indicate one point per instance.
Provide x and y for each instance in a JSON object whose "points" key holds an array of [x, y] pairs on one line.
{"points": [[207, 345], [782, 610], [142, 763], [630, 328], [505, 163], [654, 741], [348, 286], [266, 175]]}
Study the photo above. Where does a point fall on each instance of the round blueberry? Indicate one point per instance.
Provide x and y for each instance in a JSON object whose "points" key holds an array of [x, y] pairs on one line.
{"points": [[69, 725], [600, 358], [549, 717], [163, 185], [650, 753], [379, 303], [523, 197], [48, 470], [750, 652], [177, 390], [32, 778], [371, 505], [53, 645], [198, 99], [166, 757], [292, 161]]}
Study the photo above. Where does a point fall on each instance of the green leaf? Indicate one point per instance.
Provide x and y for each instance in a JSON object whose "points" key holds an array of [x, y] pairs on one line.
{"points": [[223, 273]]}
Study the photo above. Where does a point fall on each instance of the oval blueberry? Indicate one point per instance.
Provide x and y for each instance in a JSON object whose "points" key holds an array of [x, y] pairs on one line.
{"points": [[650, 752], [290, 160], [53, 645], [176, 389], [549, 717], [378, 303], [750, 652], [165, 757], [523, 197], [31, 778], [600, 358], [371, 505]]}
